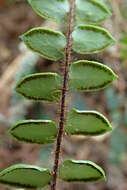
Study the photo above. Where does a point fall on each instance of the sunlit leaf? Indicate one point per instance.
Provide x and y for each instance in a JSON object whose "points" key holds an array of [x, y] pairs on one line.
{"points": [[80, 170], [46, 42], [40, 86], [25, 176], [91, 11], [91, 39], [89, 75], [51, 9], [35, 131], [86, 123]]}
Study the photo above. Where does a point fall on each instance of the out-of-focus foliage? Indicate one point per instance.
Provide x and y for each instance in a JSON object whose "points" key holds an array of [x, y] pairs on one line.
{"points": [[118, 146], [123, 52]]}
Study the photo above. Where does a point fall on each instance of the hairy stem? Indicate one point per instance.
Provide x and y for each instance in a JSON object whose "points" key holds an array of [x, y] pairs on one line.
{"points": [[67, 60]]}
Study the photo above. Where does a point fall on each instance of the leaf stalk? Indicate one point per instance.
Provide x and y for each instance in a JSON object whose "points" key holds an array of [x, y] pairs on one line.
{"points": [[67, 60]]}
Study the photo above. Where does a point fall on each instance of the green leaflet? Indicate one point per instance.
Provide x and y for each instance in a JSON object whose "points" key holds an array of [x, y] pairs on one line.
{"points": [[91, 11], [86, 123], [25, 176], [46, 42], [51, 9], [80, 170], [89, 75], [90, 39], [40, 86], [35, 131]]}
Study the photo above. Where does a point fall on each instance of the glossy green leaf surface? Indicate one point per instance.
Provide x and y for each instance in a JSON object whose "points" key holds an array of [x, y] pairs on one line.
{"points": [[90, 39], [80, 170], [91, 11], [89, 75], [40, 86], [86, 123], [46, 42], [51, 9], [35, 131], [25, 176]]}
